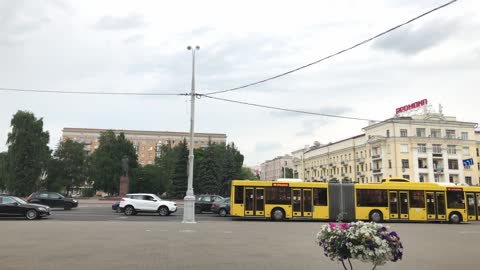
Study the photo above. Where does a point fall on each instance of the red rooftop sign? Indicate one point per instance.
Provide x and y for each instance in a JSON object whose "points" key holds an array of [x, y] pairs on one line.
{"points": [[412, 106]]}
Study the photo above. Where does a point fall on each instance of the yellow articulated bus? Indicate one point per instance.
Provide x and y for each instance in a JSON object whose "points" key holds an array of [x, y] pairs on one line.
{"points": [[395, 199]]}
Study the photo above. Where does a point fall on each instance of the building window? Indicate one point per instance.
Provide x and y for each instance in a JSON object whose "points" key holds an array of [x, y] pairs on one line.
{"points": [[466, 150], [420, 132], [422, 163], [478, 152], [422, 178], [437, 148], [468, 180], [422, 148], [451, 149], [389, 164], [465, 136], [450, 133], [435, 133], [403, 133], [405, 164], [150, 162], [143, 155], [388, 133], [406, 176], [403, 148], [453, 164]]}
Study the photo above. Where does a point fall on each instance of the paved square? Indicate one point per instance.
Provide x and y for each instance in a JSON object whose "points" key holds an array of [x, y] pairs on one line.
{"points": [[72, 245]]}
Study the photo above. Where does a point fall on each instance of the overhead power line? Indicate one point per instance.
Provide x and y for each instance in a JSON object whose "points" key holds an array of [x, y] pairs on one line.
{"points": [[89, 92], [334, 54], [286, 109]]}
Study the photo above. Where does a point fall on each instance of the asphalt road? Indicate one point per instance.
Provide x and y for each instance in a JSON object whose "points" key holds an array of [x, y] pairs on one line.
{"points": [[221, 244], [103, 212]]}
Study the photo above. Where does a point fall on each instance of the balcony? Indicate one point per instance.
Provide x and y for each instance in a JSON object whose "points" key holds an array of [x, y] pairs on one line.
{"points": [[374, 157], [344, 163], [344, 175], [438, 170], [437, 155], [361, 160], [377, 171]]}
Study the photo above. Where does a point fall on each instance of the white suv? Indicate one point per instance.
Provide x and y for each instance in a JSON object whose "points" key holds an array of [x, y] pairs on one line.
{"points": [[144, 202]]}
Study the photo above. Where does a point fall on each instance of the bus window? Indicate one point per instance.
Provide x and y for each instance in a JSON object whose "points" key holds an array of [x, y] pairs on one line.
{"points": [[455, 199], [320, 196], [278, 195], [239, 194], [417, 199], [372, 197]]}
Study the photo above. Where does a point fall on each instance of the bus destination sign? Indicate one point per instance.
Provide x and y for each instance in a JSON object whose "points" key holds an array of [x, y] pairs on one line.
{"points": [[280, 184]]}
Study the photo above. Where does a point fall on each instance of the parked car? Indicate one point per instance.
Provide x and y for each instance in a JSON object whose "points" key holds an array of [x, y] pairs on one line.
{"points": [[203, 203], [144, 202], [116, 206], [14, 206], [222, 208], [52, 199]]}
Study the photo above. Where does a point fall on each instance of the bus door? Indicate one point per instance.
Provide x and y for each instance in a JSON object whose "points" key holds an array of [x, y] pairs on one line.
{"points": [[297, 202], [393, 201], [259, 202], [307, 203], [249, 201], [478, 205], [472, 206], [431, 206], [403, 204], [441, 205]]}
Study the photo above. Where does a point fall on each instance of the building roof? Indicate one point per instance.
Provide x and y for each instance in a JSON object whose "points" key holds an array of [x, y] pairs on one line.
{"points": [[332, 143], [142, 132], [432, 118]]}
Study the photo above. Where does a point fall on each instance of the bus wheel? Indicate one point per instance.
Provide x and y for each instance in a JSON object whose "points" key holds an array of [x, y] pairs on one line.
{"points": [[455, 218], [278, 214], [376, 216]]}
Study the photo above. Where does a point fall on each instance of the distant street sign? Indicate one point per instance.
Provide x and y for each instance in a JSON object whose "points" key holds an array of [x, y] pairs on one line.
{"points": [[467, 162]]}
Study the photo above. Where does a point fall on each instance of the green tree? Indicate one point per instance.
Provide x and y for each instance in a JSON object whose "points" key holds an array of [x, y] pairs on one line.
{"points": [[166, 163], [209, 171], [246, 174], [232, 163], [3, 170], [107, 161], [148, 179], [28, 153], [68, 167], [180, 175]]}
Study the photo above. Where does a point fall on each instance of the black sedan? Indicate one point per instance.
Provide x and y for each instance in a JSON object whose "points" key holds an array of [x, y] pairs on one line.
{"points": [[222, 208], [14, 206], [52, 199]]}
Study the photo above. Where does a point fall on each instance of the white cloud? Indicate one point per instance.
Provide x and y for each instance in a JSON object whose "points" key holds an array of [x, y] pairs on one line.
{"points": [[55, 45]]}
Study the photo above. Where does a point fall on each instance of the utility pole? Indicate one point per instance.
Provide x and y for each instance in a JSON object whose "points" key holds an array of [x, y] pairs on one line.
{"points": [[189, 199]]}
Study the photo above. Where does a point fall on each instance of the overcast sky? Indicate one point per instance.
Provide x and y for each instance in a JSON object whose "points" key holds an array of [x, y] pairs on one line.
{"points": [[140, 46]]}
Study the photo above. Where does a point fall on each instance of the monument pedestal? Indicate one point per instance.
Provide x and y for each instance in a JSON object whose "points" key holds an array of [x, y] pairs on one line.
{"points": [[124, 183]]}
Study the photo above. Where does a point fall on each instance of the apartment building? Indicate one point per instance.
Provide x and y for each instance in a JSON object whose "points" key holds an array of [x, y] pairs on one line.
{"points": [[428, 147], [274, 169], [146, 143]]}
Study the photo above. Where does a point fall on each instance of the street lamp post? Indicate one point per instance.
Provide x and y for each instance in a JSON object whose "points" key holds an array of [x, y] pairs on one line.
{"points": [[189, 199]]}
